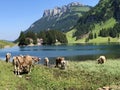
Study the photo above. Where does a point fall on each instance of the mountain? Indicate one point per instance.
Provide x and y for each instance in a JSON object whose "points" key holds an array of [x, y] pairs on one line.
{"points": [[104, 16], [60, 18]]}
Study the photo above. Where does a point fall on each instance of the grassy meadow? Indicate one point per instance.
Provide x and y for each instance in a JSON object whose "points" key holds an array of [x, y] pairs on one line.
{"points": [[82, 75]]}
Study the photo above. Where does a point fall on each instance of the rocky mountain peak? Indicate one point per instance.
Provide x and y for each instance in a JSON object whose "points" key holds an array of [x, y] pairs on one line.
{"points": [[60, 10], [75, 4]]}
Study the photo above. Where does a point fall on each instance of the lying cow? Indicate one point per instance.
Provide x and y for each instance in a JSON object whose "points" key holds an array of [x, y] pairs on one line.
{"points": [[8, 56], [46, 61], [60, 61], [24, 63], [101, 60]]}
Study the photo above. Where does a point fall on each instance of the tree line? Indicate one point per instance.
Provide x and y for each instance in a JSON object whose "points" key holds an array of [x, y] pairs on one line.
{"points": [[112, 32], [48, 37]]}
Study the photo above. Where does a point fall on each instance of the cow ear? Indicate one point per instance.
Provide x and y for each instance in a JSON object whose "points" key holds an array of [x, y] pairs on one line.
{"points": [[16, 57]]}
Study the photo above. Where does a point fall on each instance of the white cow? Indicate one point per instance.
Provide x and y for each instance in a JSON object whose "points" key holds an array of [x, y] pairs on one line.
{"points": [[101, 60]]}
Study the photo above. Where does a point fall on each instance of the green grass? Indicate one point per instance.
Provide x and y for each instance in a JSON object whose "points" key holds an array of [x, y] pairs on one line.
{"points": [[72, 39], [103, 40], [84, 75], [69, 36]]}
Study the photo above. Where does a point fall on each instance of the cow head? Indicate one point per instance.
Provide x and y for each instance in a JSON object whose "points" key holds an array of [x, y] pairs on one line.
{"points": [[36, 59]]}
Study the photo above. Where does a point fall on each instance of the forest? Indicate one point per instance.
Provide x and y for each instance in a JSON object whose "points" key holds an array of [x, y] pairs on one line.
{"points": [[48, 37]]}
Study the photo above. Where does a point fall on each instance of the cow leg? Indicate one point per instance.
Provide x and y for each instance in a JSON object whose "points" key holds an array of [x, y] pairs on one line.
{"points": [[56, 64], [15, 70], [18, 72], [6, 59], [47, 64], [29, 68]]}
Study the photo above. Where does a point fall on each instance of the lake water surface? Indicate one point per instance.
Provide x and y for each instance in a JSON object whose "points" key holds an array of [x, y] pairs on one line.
{"points": [[77, 52]]}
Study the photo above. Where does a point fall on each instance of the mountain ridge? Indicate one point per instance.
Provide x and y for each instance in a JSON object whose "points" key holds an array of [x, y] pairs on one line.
{"points": [[60, 18], [60, 10]]}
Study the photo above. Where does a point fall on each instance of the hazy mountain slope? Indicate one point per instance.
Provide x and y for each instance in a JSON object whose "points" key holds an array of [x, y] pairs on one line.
{"points": [[4, 44], [60, 18]]}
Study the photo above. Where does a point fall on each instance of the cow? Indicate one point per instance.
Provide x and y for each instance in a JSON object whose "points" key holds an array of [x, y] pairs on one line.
{"points": [[46, 61], [17, 63], [101, 60], [63, 64], [60, 61], [8, 56], [29, 61], [24, 63]]}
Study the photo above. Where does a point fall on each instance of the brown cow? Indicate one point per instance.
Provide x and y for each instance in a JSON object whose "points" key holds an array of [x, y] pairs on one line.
{"points": [[46, 61], [17, 63], [60, 61], [101, 60], [24, 63], [8, 56], [29, 61]]}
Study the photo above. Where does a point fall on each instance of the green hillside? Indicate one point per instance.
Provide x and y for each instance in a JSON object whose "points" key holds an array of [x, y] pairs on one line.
{"points": [[5, 44], [100, 22], [97, 27], [72, 39]]}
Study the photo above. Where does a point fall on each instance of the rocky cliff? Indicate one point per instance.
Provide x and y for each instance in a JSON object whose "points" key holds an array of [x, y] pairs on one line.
{"points": [[60, 10]]}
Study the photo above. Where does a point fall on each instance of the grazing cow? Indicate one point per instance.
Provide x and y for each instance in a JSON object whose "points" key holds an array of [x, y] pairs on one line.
{"points": [[46, 61], [63, 64], [8, 56], [29, 61], [60, 61], [101, 60]]}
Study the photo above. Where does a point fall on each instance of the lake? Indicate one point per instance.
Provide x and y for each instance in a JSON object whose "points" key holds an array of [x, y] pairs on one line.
{"points": [[77, 52]]}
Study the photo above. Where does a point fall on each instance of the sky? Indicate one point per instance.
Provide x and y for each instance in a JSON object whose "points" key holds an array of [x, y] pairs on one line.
{"points": [[18, 15]]}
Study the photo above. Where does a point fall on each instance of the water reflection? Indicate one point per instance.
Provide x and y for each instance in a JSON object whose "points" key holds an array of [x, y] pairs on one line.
{"points": [[70, 52]]}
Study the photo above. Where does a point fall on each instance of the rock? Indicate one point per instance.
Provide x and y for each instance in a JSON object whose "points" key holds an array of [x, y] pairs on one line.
{"points": [[105, 88], [20, 76]]}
